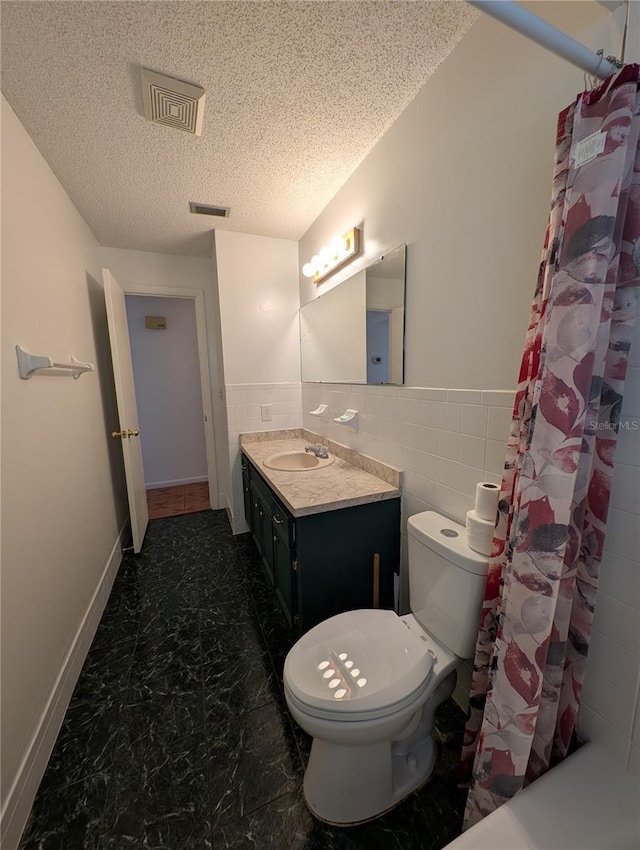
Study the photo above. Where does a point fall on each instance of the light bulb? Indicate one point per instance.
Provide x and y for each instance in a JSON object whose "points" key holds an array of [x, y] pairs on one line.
{"points": [[316, 262], [307, 270], [337, 245]]}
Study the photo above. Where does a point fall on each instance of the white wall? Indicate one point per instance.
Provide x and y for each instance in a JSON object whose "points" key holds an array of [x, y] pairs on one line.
{"points": [[258, 287], [257, 281], [463, 177], [169, 271], [168, 391], [63, 497]]}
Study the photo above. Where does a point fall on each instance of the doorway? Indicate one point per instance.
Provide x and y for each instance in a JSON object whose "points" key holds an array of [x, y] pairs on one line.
{"points": [[170, 367], [378, 340]]}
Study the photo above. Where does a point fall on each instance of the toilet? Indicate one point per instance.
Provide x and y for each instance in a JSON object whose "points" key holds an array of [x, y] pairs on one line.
{"points": [[365, 684]]}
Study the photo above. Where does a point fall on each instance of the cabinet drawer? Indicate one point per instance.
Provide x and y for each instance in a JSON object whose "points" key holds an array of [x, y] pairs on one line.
{"points": [[283, 522], [261, 489]]}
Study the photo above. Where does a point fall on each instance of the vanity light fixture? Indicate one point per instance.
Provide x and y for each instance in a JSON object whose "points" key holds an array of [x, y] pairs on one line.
{"points": [[340, 251]]}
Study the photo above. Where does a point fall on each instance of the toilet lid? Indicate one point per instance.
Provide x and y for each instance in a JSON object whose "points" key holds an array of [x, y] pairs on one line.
{"points": [[358, 661]]}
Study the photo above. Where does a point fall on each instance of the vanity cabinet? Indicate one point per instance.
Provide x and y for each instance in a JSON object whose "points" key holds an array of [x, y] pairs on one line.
{"points": [[322, 563]]}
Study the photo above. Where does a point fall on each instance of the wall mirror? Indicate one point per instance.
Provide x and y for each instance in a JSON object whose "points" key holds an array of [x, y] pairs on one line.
{"points": [[354, 334]]}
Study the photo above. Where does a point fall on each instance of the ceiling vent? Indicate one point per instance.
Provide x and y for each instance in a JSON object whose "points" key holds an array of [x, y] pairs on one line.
{"points": [[209, 209], [172, 102]]}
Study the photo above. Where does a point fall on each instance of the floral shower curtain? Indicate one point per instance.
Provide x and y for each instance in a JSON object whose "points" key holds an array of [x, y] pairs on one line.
{"points": [[550, 531]]}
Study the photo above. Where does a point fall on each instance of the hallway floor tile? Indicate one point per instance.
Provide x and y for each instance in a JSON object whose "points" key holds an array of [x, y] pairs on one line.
{"points": [[174, 501]]}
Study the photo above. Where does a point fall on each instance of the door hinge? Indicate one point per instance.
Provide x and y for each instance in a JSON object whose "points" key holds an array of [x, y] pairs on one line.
{"points": [[294, 565]]}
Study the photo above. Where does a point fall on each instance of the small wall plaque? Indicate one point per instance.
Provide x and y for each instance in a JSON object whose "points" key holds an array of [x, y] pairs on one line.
{"points": [[157, 323]]}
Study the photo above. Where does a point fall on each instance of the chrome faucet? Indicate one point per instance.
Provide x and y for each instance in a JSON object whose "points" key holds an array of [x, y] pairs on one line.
{"points": [[318, 450]]}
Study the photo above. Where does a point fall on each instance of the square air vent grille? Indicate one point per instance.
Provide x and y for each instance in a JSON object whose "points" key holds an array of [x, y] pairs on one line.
{"points": [[172, 102]]}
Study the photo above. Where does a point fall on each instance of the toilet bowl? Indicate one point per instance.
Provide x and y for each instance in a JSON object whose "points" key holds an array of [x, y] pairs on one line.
{"points": [[365, 684]]}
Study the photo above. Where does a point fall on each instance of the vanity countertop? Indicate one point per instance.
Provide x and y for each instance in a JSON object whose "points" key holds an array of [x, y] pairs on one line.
{"points": [[343, 484]]}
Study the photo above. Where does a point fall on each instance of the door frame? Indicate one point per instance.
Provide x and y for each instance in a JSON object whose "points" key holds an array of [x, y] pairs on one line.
{"points": [[197, 296]]}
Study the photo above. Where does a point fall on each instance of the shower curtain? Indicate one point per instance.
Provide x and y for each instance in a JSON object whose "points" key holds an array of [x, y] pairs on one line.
{"points": [[550, 531]]}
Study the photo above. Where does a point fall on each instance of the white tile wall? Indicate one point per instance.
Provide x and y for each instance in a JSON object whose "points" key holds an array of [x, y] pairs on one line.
{"points": [[610, 712], [446, 441], [244, 414], [439, 437]]}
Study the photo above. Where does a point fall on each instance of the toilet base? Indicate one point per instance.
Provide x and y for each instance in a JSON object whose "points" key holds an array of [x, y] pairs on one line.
{"points": [[373, 817], [347, 785]]}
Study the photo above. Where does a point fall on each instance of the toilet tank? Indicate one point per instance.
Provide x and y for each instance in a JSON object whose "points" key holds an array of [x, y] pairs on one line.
{"points": [[446, 581]]}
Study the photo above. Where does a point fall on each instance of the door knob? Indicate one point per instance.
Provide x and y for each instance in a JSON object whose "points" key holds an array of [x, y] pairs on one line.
{"points": [[133, 432], [122, 434]]}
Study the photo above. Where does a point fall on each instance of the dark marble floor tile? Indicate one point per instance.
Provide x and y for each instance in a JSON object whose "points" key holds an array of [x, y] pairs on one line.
{"points": [[67, 816], [264, 764], [168, 595], [87, 738], [247, 550], [86, 742], [283, 823], [105, 674], [222, 577], [236, 666], [276, 632], [119, 622], [449, 722], [287, 823], [303, 741], [159, 791], [167, 658]]}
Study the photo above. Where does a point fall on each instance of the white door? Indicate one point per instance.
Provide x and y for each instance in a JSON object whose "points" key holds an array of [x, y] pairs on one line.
{"points": [[129, 429]]}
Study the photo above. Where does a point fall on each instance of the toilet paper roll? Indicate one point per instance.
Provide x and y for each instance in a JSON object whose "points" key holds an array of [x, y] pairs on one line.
{"points": [[487, 497], [479, 533]]}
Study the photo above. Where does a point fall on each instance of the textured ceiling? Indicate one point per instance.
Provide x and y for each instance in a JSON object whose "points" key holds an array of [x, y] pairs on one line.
{"points": [[297, 93]]}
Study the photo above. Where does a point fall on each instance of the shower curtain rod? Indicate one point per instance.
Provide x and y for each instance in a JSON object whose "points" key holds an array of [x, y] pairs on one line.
{"points": [[553, 39]]}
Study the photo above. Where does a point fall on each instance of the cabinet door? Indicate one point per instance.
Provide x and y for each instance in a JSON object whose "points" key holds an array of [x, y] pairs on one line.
{"points": [[266, 540], [246, 495], [336, 552], [284, 569], [261, 529], [255, 521]]}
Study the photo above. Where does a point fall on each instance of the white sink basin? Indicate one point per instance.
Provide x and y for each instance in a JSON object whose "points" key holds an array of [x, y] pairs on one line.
{"points": [[296, 461]]}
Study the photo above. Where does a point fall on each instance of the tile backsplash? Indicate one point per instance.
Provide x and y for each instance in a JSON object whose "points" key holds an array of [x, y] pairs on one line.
{"points": [[446, 441], [244, 414]]}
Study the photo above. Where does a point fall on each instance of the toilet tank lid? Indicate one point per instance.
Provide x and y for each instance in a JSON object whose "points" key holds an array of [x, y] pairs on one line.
{"points": [[447, 539]]}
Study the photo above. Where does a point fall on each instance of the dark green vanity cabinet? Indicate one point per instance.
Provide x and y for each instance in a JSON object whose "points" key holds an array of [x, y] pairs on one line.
{"points": [[323, 563]]}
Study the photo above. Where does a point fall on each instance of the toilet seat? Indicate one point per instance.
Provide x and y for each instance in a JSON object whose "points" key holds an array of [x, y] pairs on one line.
{"points": [[357, 665]]}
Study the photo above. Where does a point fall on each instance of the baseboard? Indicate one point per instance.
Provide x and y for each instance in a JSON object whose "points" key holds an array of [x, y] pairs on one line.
{"points": [[23, 791], [176, 482]]}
